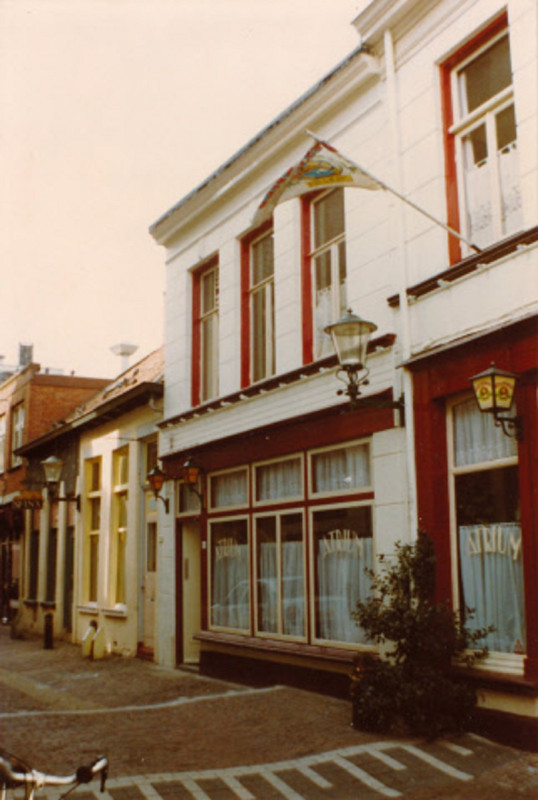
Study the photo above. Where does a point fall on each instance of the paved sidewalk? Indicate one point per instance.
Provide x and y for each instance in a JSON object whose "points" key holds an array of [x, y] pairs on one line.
{"points": [[174, 734]]}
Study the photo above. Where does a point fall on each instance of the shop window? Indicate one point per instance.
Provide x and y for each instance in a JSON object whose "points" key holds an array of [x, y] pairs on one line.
{"points": [[280, 583], [228, 489], [151, 448], [205, 382], [188, 502], [342, 469], [277, 481], [328, 265], [33, 566], [488, 529], [230, 574], [343, 552], [482, 139]]}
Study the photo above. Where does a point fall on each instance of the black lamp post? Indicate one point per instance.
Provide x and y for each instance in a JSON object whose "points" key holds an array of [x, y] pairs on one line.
{"points": [[350, 336], [494, 392]]}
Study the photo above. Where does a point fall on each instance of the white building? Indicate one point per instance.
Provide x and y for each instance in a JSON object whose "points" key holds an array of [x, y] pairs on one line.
{"points": [[300, 491]]}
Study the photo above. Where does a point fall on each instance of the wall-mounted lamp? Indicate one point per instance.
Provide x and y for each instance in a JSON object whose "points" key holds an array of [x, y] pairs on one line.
{"points": [[156, 479], [351, 335], [52, 467], [494, 392], [190, 473]]}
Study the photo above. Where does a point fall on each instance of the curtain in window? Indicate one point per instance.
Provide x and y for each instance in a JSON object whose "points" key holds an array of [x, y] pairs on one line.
{"points": [[342, 582], [280, 479], [512, 216], [492, 576], [478, 186], [341, 470], [229, 489], [476, 437], [268, 588], [230, 586], [323, 317], [292, 595]]}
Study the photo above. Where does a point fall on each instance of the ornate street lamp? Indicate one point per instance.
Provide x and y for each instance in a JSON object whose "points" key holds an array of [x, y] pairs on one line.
{"points": [[52, 467], [494, 392], [350, 336], [156, 479]]}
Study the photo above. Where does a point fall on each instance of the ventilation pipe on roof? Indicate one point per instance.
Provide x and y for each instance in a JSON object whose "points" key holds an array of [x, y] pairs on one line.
{"points": [[124, 350]]}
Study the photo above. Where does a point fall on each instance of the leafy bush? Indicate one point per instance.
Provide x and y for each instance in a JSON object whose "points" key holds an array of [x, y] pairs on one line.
{"points": [[413, 688]]}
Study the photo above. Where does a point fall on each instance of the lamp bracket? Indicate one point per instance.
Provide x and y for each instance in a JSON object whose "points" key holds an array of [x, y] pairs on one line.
{"points": [[511, 426]]}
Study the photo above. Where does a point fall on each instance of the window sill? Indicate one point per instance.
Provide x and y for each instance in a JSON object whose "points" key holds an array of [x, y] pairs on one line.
{"points": [[120, 612], [324, 653], [89, 608]]}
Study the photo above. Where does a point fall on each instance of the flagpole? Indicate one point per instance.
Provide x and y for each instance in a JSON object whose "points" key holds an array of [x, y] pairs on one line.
{"points": [[402, 197]]}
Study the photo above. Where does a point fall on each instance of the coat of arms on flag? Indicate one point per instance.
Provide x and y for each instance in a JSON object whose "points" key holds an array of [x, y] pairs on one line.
{"points": [[322, 167]]}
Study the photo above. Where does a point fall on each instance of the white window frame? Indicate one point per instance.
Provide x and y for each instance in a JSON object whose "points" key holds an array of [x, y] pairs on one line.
{"points": [[279, 513], [209, 320], [512, 663], [266, 287], [119, 532], [210, 528], [280, 500], [313, 495], [369, 647], [321, 341], [465, 122], [93, 495], [220, 508]]}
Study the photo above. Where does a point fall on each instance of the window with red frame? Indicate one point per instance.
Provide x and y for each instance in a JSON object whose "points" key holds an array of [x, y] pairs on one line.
{"points": [[481, 140], [258, 307], [205, 356], [324, 270]]}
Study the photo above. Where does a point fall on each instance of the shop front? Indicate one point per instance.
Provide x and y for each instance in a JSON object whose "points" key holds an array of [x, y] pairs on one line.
{"points": [[290, 519], [476, 484]]}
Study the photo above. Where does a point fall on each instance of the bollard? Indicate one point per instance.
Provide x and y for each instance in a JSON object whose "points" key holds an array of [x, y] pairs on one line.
{"points": [[48, 632]]}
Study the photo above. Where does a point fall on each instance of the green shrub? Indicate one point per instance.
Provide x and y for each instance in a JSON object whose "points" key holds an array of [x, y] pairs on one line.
{"points": [[413, 688]]}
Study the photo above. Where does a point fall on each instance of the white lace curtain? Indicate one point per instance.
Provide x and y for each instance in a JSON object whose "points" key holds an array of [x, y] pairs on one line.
{"points": [[492, 576], [229, 489], [476, 437], [279, 479], [292, 590], [341, 470], [230, 586]]}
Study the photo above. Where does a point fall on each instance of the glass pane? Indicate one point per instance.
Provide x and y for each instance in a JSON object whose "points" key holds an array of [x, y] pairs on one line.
{"points": [[259, 334], [343, 548], [478, 185], [122, 510], [230, 584], [292, 559], [95, 513], [93, 568], [151, 456], [328, 217], [487, 497], [120, 568], [511, 205], [209, 373], [487, 75], [34, 564], [279, 480], [51, 564], [209, 291], [228, 489], [477, 438], [262, 259], [95, 481], [189, 502], [341, 470], [267, 581]]}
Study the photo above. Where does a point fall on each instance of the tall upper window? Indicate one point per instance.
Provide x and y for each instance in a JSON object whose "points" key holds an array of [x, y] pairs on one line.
{"points": [[487, 526], [482, 137], [92, 528], [262, 312], [17, 432], [206, 332], [328, 265], [120, 498]]}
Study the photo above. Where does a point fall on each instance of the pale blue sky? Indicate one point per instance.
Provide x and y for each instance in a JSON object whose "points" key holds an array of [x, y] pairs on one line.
{"points": [[111, 111]]}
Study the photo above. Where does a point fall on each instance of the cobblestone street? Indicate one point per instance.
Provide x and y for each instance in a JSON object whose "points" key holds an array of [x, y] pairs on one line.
{"points": [[174, 734]]}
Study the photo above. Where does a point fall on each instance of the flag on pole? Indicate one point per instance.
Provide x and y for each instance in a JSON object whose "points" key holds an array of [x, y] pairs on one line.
{"points": [[322, 167]]}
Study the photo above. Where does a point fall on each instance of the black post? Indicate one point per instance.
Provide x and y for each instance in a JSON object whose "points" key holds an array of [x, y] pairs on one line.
{"points": [[48, 631]]}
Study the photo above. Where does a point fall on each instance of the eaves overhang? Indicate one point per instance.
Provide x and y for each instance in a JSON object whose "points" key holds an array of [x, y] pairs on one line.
{"points": [[263, 149], [271, 384], [107, 411]]}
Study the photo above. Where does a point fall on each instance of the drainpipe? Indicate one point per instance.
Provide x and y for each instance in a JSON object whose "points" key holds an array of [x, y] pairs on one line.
{"points": [[402, 271]]}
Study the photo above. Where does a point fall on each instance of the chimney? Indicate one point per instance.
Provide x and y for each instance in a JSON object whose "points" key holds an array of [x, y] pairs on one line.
{"points": [[26, 354]]}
